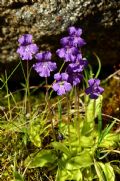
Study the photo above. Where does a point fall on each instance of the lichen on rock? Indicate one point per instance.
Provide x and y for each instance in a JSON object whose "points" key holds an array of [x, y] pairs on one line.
{"points": [[50, 18]]}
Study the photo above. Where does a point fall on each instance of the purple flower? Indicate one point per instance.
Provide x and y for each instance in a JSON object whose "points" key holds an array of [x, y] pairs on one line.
{"points": [[79, 64], [75, 34], [43, 56], [94, 89], [27, 52], [61, 86], [70, 44], [61, 77], [44, 68], [25, 39], [68, 51], [27, 49], [66, 41], [74, 31], [74, 78], [44, 65]]}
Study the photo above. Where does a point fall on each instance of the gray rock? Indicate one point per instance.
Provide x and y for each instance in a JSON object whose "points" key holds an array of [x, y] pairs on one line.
{"points": [[47, 20]]}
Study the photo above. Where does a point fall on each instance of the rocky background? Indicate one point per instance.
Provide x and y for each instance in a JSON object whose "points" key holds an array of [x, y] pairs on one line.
{"points": [[47, 21]]}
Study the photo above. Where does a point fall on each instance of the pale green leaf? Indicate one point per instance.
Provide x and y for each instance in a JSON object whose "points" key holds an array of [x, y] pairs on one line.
{"points": [[74, 175], [80, 161], [61, 147], [92, 111], [63, 175], [110, 140], [18, 176], [99, 171], [34, 133], [90, 107], [108, 171], [40, 159], [86, 141]]}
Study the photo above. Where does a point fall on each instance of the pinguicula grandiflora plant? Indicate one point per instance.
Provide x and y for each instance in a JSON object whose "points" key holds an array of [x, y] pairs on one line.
{"points": [[79, 148]]}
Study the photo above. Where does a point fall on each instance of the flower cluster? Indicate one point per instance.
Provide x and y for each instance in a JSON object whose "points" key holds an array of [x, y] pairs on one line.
{"points": [[71, 53], [28, 50], [70, 44]]}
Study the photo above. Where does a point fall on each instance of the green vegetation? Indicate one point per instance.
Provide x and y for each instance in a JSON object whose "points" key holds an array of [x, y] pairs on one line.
{"points": [[62, 136]]}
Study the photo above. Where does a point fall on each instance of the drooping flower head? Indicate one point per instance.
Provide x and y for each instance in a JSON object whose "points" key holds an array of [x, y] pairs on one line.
{"points": [[94, 90], [79, 63], [74, 78], [27, 48], [25, 39], [61, 86], [44, 65], [75, 34], [74, 31]]}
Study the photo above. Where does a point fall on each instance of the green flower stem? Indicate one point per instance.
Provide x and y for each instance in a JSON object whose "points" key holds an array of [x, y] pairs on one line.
{"points": [[100, 123], [8, 97], [77, 112], [59, 112], [94, 108], [48, 106], [46, 96], [68, 118], [27, 95], [85, 106]]}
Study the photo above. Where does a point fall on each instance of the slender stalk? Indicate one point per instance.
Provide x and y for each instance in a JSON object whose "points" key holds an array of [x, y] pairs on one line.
{"points": [[77, 112], [46, 96], [59, 112], [68, 118], [48, 106], [27, 101], [28, 91], [100, 123], [94, 108], [8, 97], [86, 98], [27, 95], [86, 106]]}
